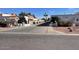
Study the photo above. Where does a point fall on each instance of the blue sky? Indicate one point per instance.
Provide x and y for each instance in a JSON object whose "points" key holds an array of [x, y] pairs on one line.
{"points": [[39, 12]]}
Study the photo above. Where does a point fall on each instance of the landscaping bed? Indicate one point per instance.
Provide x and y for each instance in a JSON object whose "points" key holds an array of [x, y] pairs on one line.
{"points": [[66, 30]]}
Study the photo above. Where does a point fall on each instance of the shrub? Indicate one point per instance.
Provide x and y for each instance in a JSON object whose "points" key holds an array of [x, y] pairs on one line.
{"points": [[65, 23], [3, 23]]}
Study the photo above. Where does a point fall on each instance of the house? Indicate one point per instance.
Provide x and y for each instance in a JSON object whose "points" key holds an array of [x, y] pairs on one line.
{"points": [[74, 18], [27, 20], [30, 19], [11, 19]]}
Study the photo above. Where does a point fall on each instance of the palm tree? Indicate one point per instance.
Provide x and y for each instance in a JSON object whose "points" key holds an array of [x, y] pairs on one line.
{"points": [[29, 14], [46, 16]]}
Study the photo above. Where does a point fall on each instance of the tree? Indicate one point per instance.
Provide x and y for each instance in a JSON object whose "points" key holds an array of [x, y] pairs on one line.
{"points": [[21, 20], [29, 14], [21, 17], [43, 19], [55, 19], [22, 14], [4, 23], [46, 16]]}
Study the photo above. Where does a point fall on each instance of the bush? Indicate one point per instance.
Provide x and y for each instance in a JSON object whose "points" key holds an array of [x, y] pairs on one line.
{"points": [[55, 19], [65, 23], [3, 23], [21, 20], [43, 19]]}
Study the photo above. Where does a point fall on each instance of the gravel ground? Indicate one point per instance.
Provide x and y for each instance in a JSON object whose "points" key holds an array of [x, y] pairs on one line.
{"points": [[65, 30]]}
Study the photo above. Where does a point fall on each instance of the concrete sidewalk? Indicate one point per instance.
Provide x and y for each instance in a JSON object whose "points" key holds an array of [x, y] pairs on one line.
{"points": [[46, 30], [6, 29], [34, 30], [51, 30]]}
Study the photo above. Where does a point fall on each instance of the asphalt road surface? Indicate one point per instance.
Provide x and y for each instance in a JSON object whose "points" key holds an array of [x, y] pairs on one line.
{"points": [[10, 41], [45, 24]]}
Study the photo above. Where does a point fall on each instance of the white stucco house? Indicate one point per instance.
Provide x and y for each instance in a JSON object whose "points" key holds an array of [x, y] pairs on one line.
{"points": [[74, 18]]}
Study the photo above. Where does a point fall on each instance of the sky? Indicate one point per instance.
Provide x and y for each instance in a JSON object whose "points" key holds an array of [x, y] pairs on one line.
{"points": [[39, 12]]}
